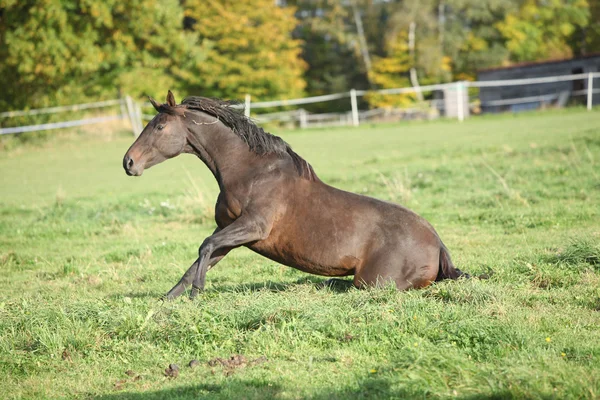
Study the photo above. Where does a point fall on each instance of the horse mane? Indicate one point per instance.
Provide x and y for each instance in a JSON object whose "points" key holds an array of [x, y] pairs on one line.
{"points": [[259, 141]]}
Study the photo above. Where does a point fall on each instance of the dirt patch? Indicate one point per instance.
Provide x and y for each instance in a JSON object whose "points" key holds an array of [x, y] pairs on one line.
{"points": [[172, 371], [235, 361], [121, 383], [66, 355], [347, 338]]}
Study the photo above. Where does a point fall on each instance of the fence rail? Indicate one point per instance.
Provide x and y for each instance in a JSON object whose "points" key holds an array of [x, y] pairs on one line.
{"points": [[457, 102], [53, 110], [58, 125]]}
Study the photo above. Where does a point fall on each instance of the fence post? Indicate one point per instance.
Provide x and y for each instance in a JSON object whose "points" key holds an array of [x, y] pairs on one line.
{"points": [[130, 111], [138, 118], [460, 112], [247, 106], [123, 105], [303, 119], [590, 88], [355, 120]]}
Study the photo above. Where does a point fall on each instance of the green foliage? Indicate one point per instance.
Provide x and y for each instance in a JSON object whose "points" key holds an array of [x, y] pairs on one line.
{"points": [[590, 34], [252, 51], [470, 37], [329, 48], [543, 29], [85, 252], [390, 72], [68, 51]]}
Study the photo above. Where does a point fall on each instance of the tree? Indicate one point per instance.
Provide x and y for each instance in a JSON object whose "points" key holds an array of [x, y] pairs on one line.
{"points": [[391, 71], [587, 39], [469, 36], [251, 49], [66, 51], [543, 29]]}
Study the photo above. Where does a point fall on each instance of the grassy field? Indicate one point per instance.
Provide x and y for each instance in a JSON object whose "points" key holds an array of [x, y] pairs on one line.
{"points": [[85, 253]]}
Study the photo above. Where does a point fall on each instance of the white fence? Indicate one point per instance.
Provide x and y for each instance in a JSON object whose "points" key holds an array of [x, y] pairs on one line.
{"points": [[455, 103], [129, 110]]}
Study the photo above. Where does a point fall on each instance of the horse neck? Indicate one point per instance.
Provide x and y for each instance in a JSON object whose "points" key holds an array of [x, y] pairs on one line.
{"points": [[218, 147]]}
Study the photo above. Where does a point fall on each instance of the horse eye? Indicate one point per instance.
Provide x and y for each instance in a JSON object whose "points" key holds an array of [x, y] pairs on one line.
{"points": [[160, 127]]}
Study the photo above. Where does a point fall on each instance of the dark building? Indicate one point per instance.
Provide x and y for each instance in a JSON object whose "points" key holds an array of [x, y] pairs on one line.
{"points": [[535, 95]]}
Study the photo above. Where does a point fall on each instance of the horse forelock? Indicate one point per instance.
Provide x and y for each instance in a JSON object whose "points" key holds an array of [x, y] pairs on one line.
{"points": [[167, 109], [259, 141]]}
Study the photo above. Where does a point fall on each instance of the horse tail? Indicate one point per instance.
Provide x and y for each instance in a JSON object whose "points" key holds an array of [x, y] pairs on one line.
{"points": [[447, 270]]}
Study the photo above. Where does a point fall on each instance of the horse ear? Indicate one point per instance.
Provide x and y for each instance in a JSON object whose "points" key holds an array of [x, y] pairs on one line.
{"points": [[171, 99], [154, 103]]}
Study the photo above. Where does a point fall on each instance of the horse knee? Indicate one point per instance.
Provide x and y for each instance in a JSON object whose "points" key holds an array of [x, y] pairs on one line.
{"points": [[206, 248]]}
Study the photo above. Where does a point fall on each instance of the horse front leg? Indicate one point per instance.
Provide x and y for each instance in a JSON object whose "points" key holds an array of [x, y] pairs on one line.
{"points": [[189, 275], [242, 231]]}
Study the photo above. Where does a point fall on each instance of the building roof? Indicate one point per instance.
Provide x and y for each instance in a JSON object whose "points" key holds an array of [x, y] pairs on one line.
{"points": [[536, 63]]}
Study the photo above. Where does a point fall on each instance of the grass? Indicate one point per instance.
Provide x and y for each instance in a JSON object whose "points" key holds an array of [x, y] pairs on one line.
{"points": [[85, 253]]}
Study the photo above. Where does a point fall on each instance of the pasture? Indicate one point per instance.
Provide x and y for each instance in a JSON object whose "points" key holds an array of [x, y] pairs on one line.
{"points": [[86, 252]]}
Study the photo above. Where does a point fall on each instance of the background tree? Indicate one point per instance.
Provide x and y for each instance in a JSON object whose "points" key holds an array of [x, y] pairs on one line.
{"points": [[391, 71], [469, 35], [68, 51], [543, 29], [587, 39], [251, 50], [330, 49]]}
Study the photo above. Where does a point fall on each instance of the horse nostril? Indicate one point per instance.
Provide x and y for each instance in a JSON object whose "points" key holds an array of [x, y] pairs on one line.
{"points": [[130, 163]]}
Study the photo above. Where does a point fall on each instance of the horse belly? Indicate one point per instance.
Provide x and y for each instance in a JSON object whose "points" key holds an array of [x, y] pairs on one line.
{"points": [[327, 252]]}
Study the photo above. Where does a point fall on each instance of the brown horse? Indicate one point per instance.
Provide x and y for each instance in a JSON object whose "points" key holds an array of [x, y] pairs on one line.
{"points": [[272, 202]]}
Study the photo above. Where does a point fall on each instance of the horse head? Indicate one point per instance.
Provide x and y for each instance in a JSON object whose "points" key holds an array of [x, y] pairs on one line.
{"points": [[164, 137]]}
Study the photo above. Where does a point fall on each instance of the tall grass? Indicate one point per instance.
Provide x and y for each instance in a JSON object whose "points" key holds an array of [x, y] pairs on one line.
{"points": [[86, 252]]}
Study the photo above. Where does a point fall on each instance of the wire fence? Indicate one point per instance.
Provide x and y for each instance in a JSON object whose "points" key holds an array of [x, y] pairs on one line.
{"points": [[448, 99]]}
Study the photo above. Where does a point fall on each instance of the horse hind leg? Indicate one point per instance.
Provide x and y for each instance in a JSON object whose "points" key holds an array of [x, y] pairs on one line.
{"points": [[414, 272]]}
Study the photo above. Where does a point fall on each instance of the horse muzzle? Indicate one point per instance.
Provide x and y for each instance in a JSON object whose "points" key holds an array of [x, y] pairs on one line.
{"points": [[131, 167]]}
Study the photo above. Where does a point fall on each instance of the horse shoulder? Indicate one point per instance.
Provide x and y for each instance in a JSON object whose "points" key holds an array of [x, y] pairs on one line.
{"points": [[227, 209]]}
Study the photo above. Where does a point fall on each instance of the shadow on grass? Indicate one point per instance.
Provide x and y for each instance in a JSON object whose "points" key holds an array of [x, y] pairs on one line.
{"points": [[337, 285], [371, 388]]}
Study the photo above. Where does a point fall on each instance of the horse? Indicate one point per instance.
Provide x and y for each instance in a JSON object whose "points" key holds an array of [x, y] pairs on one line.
{"points": [[272, 202]]}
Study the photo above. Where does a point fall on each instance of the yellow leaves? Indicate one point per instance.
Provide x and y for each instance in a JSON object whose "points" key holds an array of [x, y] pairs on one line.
{"points": [[566, 29], [464, 77], [386, 65], [446, 64], [252, 49], [474, 43], [542, 30], [391, 72]]}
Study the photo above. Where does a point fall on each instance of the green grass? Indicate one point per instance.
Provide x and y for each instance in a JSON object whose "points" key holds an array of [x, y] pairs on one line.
{"points": [[85, 252]]}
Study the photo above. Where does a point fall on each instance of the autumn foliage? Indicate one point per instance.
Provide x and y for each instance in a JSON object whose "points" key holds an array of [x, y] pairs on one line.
{"points": [[68, 51]]}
